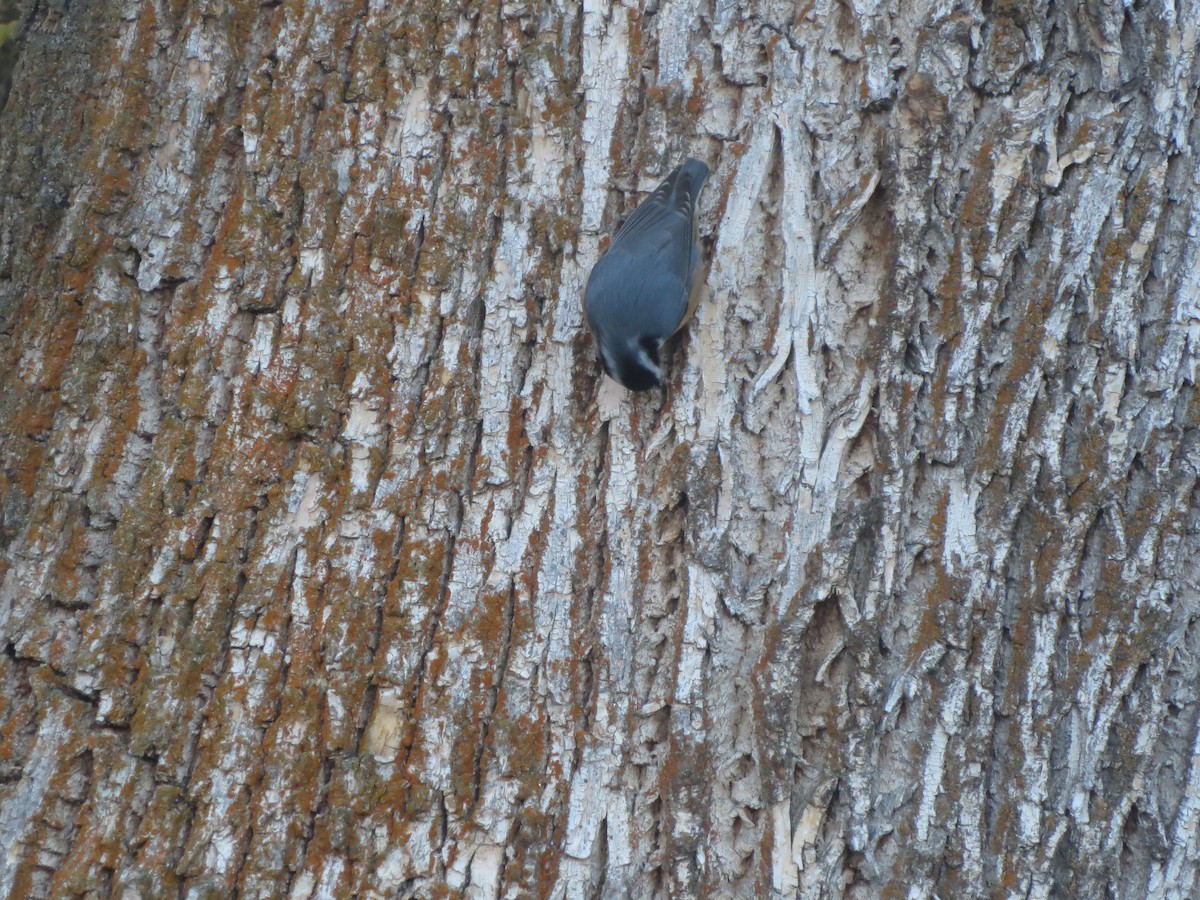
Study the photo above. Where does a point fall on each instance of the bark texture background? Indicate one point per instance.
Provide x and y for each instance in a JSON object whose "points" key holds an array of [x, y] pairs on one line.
{"points": [[331, 565]]}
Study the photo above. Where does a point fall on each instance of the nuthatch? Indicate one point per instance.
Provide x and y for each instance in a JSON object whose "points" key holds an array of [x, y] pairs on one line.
{"points": [[645, 287]]}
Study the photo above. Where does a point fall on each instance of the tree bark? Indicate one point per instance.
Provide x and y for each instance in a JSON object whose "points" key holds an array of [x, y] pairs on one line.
{"points": [[333, 567]]}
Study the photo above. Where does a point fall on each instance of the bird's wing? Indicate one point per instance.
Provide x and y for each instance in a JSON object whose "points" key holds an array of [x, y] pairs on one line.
{"points": [[662, 226]]}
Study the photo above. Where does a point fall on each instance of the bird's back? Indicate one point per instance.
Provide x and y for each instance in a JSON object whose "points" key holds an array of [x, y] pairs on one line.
{"points": [[648, 269]]}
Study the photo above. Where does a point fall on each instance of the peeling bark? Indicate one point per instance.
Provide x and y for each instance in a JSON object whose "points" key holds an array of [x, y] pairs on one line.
{"points": [[332, 567]]}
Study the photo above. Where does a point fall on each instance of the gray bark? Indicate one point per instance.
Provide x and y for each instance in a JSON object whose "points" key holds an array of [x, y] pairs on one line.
{"points": [[332, 566]]}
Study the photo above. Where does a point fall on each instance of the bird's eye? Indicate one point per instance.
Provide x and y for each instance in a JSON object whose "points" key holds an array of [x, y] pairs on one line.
{"points": [[651, 346]]}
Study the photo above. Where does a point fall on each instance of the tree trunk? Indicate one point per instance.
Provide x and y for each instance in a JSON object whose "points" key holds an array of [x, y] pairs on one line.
{"points": [[332, 566]]}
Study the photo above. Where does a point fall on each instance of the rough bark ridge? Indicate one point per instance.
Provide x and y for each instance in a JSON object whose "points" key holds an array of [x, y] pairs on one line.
{"points": [[331, 566]]}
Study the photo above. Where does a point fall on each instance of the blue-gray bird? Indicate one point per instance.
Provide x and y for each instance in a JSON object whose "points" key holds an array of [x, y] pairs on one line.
{"points": [[646, 286]]}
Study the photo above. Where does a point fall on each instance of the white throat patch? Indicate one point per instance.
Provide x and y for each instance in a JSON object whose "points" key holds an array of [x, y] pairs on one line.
{"points": [[609, 363]]}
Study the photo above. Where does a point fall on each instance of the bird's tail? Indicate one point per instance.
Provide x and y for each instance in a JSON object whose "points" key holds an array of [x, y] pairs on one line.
{"points": [[692, 173]]}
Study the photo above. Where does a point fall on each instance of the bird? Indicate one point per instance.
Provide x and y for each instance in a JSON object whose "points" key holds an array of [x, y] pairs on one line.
{"points": [[646, 285]]}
